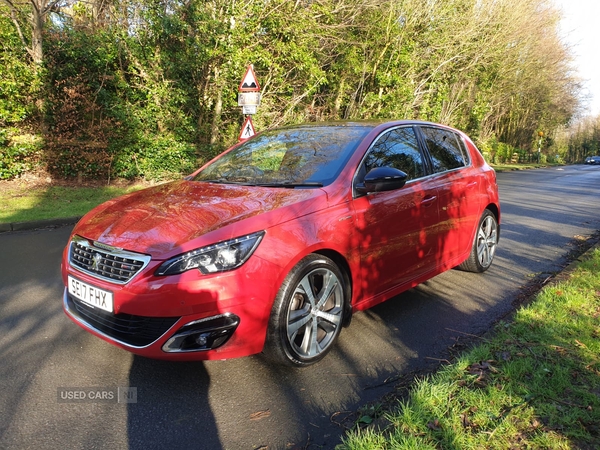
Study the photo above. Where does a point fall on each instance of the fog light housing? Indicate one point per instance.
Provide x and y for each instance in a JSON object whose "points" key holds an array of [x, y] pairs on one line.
{"points": [[202, 335]]}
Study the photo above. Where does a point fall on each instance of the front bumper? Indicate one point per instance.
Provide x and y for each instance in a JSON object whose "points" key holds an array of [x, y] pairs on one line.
{"points": [[140, 334], [185, 317]]}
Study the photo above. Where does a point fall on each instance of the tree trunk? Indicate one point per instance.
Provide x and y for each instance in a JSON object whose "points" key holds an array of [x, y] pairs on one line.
{"points": [[338, 99], [37, 24], [214, 128]]}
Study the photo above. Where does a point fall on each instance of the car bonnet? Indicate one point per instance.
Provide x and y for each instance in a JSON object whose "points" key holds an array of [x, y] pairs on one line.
{"points": [[170, 218]]}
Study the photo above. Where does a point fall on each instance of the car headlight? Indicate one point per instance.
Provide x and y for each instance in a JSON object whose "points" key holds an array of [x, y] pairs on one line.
{"points": [[220, 257]]}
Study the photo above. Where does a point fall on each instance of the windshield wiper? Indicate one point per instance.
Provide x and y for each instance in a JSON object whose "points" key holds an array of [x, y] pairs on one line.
{"points": [[227, 181], [218, 181], [278, 184], [291, 184]]}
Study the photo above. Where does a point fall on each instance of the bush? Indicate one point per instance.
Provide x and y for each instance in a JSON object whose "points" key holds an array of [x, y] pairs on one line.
{"points": [[504, 152], [158, 159], [69, 159], [19, 153], [555, 159]]}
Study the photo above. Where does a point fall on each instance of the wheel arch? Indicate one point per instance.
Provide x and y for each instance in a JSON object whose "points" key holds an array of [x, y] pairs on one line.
{"points": [[496, 211]]}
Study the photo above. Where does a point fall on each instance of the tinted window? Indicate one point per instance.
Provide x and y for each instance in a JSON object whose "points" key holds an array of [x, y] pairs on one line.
{"points": [[464, 150], [296, 155], [399, 149], [444, 149]]}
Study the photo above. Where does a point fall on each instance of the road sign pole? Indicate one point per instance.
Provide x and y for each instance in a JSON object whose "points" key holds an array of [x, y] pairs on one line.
{"points": [[248, 99]]}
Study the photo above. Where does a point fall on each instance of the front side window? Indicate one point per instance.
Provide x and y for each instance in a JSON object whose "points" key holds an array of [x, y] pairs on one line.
{"points": [[444, 148], [399, 149]]}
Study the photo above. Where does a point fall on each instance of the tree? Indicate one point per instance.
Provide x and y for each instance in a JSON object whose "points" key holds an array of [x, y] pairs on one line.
{"points": [[160, 77], [17, 79], [29, 18]]}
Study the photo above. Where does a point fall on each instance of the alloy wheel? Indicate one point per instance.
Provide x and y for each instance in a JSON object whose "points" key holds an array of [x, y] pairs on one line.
{"points": [[487, 239], [315, 313]]}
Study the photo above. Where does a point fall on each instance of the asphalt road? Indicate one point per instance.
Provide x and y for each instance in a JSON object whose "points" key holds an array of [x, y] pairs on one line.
{"points": [[45, 360]]}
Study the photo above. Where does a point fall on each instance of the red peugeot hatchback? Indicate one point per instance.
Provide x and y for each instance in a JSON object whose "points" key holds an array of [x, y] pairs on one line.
{"points": [[272, 245]]}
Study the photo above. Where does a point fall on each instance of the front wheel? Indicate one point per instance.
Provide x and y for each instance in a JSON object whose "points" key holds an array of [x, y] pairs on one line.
{"points": [[308, 312], [484, 245]]}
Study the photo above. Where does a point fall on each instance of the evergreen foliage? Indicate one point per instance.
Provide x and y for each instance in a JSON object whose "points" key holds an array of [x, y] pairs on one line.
{"points": [[148, 88]]}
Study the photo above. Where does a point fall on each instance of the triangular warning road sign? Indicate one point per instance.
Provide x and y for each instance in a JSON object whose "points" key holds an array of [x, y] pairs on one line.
{"points": [[249, 83], [247, 129]]}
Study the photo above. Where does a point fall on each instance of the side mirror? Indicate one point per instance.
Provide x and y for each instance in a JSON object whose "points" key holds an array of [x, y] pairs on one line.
{"points": [[382, 179]]}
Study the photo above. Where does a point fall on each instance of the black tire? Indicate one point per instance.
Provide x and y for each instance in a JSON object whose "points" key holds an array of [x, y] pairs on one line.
{"points": [[308, 313], [484, 244]]}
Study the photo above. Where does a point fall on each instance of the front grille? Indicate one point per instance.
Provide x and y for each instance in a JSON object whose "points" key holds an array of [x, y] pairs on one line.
{"points": [[117, 265], [137, 331]]}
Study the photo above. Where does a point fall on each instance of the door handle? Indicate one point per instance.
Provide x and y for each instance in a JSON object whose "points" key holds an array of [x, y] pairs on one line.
{"points": [[428, 201]]}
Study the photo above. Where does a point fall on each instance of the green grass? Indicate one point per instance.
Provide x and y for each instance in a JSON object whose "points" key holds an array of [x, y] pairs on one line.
{"points": [[23, 204], [535, 383]]}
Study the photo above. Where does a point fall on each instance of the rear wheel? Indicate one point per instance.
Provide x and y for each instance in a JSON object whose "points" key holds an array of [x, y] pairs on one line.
{"points": [[308, 312], [484, 245]]}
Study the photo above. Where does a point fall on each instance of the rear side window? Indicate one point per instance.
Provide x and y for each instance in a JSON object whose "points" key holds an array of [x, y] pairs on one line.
{"points": [[444, 148], [463, 147], [397, 148]]}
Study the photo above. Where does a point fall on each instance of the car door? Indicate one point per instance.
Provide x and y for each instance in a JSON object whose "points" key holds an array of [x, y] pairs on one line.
{"points": [[395, 228], [458, 186]]}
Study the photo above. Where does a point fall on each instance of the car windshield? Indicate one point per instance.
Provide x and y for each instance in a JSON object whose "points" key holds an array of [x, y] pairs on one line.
{"points": [[306, 156]]}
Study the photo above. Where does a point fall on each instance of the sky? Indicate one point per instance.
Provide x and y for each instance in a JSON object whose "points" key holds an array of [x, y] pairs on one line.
{"points": [[581, 29]]}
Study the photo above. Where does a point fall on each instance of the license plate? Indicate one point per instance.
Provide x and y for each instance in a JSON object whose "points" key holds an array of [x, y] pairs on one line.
{"points": [[93, 296]]}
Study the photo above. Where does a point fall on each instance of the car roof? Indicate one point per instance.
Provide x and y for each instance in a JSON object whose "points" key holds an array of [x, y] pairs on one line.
{"points": [[368, 123]]}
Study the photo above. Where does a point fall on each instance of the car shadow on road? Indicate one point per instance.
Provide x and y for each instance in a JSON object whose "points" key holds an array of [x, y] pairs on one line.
{"points": [[172, 408]]}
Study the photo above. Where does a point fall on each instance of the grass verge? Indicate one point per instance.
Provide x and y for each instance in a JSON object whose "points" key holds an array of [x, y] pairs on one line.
{"points": [[27, 203], [535, 383]]}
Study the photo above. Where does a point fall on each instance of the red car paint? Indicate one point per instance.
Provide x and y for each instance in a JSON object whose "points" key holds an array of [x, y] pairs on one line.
{"points": [[387, 242]]}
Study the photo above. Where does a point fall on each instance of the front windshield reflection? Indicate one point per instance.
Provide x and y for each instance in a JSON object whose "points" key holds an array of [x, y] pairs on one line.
{"points": [[307, 156]]}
